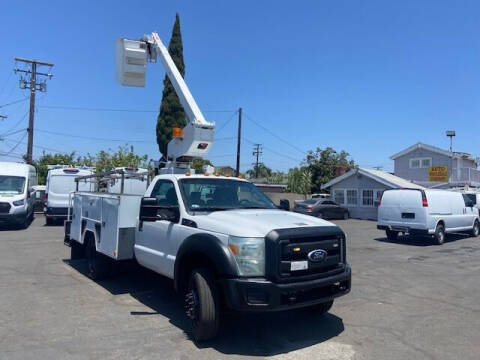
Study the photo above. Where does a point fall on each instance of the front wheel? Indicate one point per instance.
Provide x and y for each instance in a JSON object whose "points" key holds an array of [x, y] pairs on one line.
{"points": [[77, 251], [201, 304], [476, 229]]}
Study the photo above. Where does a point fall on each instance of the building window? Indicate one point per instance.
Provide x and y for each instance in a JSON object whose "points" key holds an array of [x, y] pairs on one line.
{"points": [[367, 197], [420, 163], [352, 197], [339, 196]]}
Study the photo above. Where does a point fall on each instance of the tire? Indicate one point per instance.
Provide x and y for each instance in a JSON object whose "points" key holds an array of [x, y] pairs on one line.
{"points": [[98, 265], [439, 235], [323, 308], [77, 250], [392, 235], [346, 215], [24, 223], [476, 229], [48, 221], [201, 304]]}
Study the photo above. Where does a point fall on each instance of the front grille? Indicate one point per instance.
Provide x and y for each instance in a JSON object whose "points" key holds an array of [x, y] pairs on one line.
{"points": [[4, 208], [290, 245]]}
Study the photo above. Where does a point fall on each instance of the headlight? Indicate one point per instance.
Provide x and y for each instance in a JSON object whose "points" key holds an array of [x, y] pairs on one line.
{"points": [[19, 202], [249, 254]]}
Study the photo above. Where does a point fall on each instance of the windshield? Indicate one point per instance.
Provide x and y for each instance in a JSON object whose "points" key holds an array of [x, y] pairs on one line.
{"points": [[11, 184], [221, 194]]}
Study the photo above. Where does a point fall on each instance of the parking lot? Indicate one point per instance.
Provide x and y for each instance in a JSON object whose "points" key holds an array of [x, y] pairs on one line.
{"points": [[409, 300]]}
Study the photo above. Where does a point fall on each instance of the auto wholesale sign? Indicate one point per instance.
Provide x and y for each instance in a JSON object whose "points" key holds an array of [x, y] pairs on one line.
{"points": [[438, 173]]}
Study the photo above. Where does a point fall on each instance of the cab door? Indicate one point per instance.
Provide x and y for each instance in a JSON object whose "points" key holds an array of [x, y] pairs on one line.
{"points": [[155, 240]]}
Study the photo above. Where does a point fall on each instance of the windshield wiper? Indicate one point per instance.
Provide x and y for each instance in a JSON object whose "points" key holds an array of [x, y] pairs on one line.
{"points": [[211, 209], [253, 207]]}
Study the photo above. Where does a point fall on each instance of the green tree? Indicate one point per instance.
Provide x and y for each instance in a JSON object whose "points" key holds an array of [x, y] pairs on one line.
{"points": [[198, 164], [300, 181], [124, 156], [263, 171], [324, 163], [171, 111]]}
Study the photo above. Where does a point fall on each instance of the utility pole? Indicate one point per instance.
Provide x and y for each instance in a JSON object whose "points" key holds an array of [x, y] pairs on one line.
{"points": [[33, 85], [451, 134], [239, 139], [257, 151]]}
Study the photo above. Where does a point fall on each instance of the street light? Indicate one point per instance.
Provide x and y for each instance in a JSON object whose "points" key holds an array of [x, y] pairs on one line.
{"points": [[451, 135]]}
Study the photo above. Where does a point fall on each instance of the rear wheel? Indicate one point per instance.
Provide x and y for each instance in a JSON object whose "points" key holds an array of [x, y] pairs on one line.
{"points": [[392, 235], [98, 264], [323, 308], [476, 229], [201, 304], [48, 221], [345, 215], [439, 235]]}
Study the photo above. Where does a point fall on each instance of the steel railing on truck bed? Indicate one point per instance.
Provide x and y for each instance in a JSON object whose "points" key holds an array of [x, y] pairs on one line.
{"points": [[103, 177]]}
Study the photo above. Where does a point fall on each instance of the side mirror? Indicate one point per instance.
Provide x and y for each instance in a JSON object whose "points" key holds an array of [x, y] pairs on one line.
{"points": [[151, 211], [284, 204]]}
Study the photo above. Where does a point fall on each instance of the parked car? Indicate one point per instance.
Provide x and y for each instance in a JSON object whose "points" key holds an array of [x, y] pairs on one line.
{"points": [[426, 212], [17, 195], [322, 208], [60, 183]]}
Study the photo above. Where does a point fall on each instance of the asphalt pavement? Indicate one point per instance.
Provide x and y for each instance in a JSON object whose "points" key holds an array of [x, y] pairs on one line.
{"points": [[410, 299]]}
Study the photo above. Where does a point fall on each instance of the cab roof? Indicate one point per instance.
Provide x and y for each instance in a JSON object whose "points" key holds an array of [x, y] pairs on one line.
{"points": [[198, 176]]}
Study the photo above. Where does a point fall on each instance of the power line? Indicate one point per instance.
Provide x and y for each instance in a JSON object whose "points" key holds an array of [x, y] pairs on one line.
{"points": [[275, 135], [12, 133], [92, 138], [14, 102], [81, 108], [38, 146], [226, 123], [17, 123], [16, 145], [273, 151]]}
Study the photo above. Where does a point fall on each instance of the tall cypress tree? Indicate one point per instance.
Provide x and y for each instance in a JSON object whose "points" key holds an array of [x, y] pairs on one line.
{"points": [[171, 111]]}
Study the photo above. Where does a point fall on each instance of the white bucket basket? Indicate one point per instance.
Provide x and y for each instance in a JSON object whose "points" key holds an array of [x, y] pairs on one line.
{"points": [[131, 62]]}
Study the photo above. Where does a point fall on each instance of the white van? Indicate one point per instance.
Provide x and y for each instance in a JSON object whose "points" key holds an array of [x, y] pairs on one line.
{"points": [[60, 183], [135, 181], [426, 212], [17, 195]]}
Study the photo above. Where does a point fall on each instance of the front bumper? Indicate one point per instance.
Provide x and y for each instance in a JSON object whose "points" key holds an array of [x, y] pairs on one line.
{"points": [[15, 218], [263, 295]]}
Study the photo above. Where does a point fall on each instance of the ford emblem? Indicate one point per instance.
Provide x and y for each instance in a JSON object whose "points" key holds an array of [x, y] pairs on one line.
{"points": [[317, 255]]}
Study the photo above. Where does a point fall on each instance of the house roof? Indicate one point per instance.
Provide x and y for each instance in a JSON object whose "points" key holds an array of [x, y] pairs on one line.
{"points": [[431, 148], [382, 177]]}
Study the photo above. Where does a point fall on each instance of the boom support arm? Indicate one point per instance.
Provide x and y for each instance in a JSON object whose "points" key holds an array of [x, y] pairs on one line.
{"points": [[197, 136]]}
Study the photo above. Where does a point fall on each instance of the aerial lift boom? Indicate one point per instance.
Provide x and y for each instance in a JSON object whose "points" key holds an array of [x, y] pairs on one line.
{"points": [[196, 138]]}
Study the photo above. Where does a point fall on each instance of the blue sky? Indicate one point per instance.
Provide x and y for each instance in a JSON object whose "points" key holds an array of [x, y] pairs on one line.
{"points": [[368, 77]]}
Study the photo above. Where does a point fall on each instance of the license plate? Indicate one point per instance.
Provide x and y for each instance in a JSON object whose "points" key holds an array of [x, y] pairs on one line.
{"points": [[298, 265]]}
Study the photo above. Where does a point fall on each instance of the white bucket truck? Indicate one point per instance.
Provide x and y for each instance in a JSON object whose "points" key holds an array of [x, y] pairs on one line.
{"points": [[220, 239]]}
